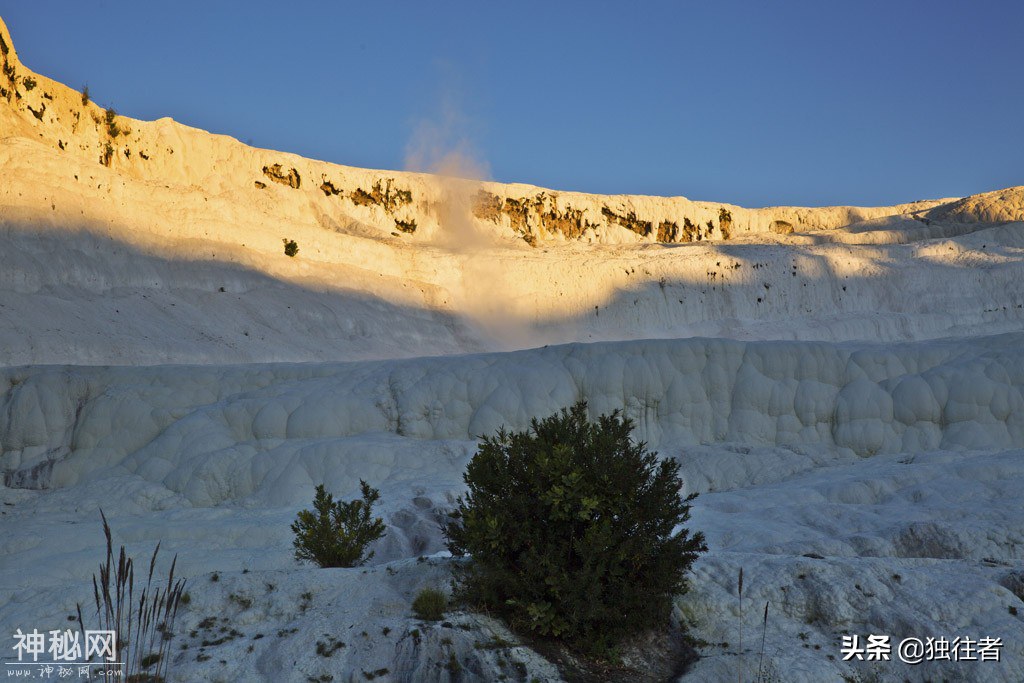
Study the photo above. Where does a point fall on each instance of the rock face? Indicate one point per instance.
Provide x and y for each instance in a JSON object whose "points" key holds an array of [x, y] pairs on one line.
{"points": [[859, 399], [157, 221], [1001, 206], [57, 118], [113, 227]]}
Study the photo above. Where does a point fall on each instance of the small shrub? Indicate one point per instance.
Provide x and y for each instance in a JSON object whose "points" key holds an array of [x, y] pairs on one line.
{"points": [[328, 648], [243, 601], [430, 604], [291, 247], [85, 95], [337, 533], [29, 83], [571, 529], [110, 118]]}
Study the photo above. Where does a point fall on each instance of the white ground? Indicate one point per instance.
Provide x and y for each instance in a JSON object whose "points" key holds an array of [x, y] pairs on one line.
{"points": [[847, 399]]}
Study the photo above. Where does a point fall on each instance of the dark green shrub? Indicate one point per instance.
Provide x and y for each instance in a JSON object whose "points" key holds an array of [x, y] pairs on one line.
{"points": [[337, 533], [85, 95], [29, 83], [110, 117], [571, 530], [291, 247], [430, 604]]}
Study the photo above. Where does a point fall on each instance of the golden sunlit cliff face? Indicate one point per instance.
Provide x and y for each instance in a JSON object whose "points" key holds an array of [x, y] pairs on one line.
{"points": [[114, 148], [150, 241]]}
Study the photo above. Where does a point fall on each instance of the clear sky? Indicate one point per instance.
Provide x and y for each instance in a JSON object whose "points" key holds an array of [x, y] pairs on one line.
{"points": [[755, 103]]}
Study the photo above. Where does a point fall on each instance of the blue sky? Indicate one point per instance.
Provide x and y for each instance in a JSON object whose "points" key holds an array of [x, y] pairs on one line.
{"points": [[754, 103]]}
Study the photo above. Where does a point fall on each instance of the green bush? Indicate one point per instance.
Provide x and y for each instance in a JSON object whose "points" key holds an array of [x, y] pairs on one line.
{"points": [[337, 533], [430, 604], [291, 247], [572, 531], [110, 117]]}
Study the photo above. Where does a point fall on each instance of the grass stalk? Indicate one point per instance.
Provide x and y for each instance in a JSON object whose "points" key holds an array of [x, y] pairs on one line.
{"points": [[739, 590], [144, 629], [764, 630]]}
